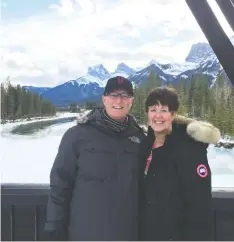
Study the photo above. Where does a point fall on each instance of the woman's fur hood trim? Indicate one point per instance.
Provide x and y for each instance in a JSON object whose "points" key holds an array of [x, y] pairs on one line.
{"points": [[199, 130]]}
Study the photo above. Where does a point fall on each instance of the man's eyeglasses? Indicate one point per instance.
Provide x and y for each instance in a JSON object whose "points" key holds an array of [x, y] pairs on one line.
{"points": [[121, 95]]}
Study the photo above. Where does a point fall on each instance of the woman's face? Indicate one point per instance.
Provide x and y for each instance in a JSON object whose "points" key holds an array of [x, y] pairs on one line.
{"points": [[160, 118]]}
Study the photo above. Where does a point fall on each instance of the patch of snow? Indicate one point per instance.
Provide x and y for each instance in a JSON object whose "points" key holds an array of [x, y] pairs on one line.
{"points": [[98, 71], [154, 62], [87, 79], [123, 74], [178, 68], [227, 140], [162, 77]]}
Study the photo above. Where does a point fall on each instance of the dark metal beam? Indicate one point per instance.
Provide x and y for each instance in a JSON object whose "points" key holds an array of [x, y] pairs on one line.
{"points": [[227, 8], [215, 35]]}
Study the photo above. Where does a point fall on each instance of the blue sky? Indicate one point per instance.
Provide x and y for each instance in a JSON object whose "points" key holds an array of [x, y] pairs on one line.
{"points": [[24, 8], [45, 42]]}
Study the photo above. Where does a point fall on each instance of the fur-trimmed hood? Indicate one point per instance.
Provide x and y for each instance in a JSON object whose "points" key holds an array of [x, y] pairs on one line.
{"points": [[200, 131]]}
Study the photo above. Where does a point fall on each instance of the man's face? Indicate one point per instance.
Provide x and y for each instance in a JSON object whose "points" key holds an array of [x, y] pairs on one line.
{"points": [[117, 104]]}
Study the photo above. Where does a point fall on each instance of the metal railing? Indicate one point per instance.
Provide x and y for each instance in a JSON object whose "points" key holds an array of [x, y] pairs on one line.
{"points": [[23, 213]]}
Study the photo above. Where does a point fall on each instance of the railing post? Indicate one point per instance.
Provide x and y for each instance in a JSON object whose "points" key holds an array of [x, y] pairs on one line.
{"points": [[36, 213], [214, 221], [12, 222]]}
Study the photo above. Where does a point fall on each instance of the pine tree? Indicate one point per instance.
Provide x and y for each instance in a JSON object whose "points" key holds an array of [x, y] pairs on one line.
{"points": [[221, 114], [17, 99], [183, 108], [29, 98], [138, 110], [10, 102], [36, 104], [203, 111], [16, 102], [3, 105], [211, 116], [230, 115], [191, 93], [73, 108], [205, 95], [152, 82], [219, 83], [24, 103]]}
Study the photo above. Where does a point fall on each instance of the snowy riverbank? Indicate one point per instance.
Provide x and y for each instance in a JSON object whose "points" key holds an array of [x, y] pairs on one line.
{"points": [[29, 158], [10, 125], [225, 142]]}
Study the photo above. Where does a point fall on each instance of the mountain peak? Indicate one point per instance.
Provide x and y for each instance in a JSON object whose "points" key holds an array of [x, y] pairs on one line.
{"points": [[154, 62], [125, 69], [122, 65], [98, 71], [199, 52]]}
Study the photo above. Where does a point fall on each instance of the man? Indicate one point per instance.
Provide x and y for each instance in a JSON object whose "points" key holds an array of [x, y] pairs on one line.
{"points": [[94, 178]]}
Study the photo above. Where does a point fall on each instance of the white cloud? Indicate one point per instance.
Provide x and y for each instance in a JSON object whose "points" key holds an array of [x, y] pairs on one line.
{"points": [[75, 34], [65, 8]]}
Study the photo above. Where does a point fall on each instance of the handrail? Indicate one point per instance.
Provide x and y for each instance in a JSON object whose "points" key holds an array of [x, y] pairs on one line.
{"points": [[24, 212], [42, 189]]}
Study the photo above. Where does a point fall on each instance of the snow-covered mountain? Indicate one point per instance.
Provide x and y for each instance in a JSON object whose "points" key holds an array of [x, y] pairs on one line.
{"points": [[178, 68], [201, 59], [79, 90], [123, 69], [199, 52], [87, 79], [88, 87], [174, 69], [98, 71], [141, 76]]}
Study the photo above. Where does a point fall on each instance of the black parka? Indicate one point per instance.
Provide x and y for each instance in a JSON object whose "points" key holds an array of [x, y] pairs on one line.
{"points": [[175, 196], [94, 182]]}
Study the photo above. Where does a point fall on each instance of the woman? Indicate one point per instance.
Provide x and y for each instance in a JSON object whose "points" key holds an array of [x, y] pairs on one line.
{"points": [[175, 177]]}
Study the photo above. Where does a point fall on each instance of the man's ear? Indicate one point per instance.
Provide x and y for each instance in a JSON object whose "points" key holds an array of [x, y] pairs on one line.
{"points": [[103, 100]]}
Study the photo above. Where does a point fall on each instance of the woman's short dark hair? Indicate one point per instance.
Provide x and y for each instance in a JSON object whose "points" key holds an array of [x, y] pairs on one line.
{"points": [[163, 96]]}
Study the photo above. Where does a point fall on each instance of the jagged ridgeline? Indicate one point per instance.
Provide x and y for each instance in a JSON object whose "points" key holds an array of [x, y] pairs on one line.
{"points": [[199, 99], [16, 103]]}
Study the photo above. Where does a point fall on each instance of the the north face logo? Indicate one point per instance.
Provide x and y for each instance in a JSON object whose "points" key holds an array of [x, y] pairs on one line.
{"points": [[134, 139]]}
